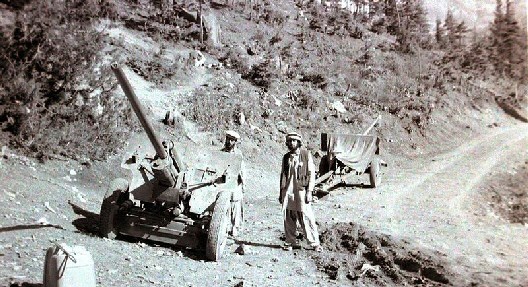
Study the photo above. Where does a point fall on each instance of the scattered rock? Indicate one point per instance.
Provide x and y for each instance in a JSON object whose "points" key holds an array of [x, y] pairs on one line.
{"points": [[3, 153], [339, 107], [243, 249], [367, 268], [278, 102], [282, 127], [46, 204], [241, 119], [10, 194], [43, 221]]}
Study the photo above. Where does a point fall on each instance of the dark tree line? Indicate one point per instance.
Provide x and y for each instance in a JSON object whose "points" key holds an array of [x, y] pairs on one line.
{"points": [[499, 52]]}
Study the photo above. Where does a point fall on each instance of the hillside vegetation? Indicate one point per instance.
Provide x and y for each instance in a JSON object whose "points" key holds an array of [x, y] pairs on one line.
{"points": [[275, 66]]}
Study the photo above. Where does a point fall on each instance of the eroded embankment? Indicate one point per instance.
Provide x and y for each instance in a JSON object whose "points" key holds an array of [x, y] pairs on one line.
{"points": [[507, 194], [360, 256]]}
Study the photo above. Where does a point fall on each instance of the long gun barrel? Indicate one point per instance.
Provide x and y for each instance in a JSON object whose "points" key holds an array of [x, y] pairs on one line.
{"points": [[138, 109]]}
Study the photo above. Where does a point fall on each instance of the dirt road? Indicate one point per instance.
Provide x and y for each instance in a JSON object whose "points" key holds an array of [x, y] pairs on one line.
{"points": [[434, 202]]}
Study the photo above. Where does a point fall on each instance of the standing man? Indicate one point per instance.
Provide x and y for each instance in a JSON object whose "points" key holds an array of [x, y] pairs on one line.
{"points": [[230, 146], [296, 186]]}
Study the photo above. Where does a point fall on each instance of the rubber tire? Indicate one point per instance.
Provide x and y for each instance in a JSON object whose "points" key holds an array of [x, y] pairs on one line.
{"points": [[218, 227], [109, 207], [49, 254], [324, 165], [374, 173]]}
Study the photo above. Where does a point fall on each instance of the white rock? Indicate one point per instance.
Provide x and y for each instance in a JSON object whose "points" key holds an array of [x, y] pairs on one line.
{"points": [[278, 102], [243, 249], [81, 198], [43, 221], [73, 172], [10, 194], [338, 106], [47, 205], [4, 151], [367, 267]]}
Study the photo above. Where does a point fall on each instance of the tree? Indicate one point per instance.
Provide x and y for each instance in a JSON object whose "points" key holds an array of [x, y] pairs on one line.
{"points": [[392, 16], [476, 57], [505, 46], [495, 38], [413, 28], [459, 34], [450, 28], [439, 33], [512, 47]]}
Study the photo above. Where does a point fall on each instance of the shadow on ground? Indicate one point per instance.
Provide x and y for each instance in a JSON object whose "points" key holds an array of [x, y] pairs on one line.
{"points": [[26, 284], [29, 226], [257, 244], [89, 224]]}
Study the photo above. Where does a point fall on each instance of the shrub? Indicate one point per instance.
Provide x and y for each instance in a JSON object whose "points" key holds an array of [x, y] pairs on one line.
{"points": [[48, 99], [261, 74], [318, 80], [216, 111]]}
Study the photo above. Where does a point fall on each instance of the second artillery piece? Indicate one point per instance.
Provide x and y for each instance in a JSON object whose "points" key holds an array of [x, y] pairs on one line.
{"points": [[169, 199]]}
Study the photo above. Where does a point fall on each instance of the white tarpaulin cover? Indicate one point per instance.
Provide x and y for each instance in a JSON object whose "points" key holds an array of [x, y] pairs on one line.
{"points": [[355, 151]]}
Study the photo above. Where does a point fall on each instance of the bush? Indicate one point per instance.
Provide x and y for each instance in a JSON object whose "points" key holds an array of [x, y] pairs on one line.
{"points": [[261, 75], [272, 16], [48, 99], [316, 79], [217, 111]]}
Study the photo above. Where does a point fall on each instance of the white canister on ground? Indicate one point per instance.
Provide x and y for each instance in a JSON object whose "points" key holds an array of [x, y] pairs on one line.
{"points": [[67, 266]]}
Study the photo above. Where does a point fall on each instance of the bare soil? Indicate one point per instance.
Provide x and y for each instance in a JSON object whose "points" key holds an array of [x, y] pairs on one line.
{"points": [[507, 192]]}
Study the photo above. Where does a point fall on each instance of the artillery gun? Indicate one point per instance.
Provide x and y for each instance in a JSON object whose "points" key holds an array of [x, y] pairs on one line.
{"points": [[168, 199]]}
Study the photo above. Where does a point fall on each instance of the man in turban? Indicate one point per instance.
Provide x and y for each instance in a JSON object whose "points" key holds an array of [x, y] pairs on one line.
{"points": [[297, 183]]}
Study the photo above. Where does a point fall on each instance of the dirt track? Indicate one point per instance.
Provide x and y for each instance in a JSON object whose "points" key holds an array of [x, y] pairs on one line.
{"points": [[434, 202]]}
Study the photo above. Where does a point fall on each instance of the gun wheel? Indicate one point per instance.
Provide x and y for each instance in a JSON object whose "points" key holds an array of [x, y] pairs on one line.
{"points": [[374, 174], [217, 234], [109, 208]]}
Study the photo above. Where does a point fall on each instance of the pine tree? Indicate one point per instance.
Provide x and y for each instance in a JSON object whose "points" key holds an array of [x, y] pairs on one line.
{"points": [[512, 47], [439, 34], [413, 28], [459, 34], [450, 29], [476, 57], [495, 39]]}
